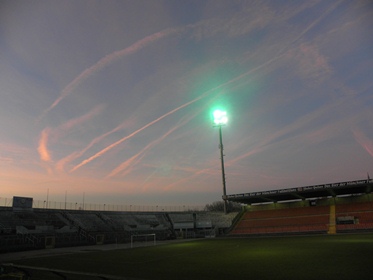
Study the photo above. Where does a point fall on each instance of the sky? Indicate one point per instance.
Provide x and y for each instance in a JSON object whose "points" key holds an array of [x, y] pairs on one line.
{"points": [[113, 100]]}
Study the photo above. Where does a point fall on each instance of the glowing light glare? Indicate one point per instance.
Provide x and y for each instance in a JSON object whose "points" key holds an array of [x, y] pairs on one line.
{"points": [[220, 117]]}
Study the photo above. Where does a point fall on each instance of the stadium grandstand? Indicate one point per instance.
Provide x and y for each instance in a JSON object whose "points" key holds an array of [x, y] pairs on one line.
{"points": [[23, 227], [328, 208]]}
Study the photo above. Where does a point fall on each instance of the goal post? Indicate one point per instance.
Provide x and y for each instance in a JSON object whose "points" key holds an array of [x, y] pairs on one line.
{"points": [[147, 238]]}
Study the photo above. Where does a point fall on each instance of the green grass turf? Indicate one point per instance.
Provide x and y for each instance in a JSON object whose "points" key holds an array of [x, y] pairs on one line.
{"points": [[299, 257]]}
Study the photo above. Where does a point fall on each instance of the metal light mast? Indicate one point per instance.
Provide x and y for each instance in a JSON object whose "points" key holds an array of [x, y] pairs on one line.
{"points": [[220, 119]]}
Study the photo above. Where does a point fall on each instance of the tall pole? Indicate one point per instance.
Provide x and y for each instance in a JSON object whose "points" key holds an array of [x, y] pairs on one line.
{"points": [[46, 206], [83, 199], [222, 170]]}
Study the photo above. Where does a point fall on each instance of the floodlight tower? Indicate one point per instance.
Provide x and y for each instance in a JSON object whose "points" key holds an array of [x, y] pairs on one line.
{"points": [[220, 119]]}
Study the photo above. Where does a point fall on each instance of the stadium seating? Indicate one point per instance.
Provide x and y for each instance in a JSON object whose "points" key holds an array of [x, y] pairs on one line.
{"points": [[39, 228], [33, 229], [216, 218], [285, 220], [360, 216], [351, 214]]}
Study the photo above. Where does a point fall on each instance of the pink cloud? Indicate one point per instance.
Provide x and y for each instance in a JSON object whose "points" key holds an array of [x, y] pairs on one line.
{"points": [[12, 150], [6, 159], [48, 135], [363, 140], [43, 145], [311, 64]]}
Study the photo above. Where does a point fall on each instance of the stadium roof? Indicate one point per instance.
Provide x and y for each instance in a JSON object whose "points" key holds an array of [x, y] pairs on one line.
{"points": [[308, 192]]}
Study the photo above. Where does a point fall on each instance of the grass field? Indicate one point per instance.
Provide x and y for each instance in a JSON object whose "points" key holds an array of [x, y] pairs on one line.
{"points": [[298, 257]]}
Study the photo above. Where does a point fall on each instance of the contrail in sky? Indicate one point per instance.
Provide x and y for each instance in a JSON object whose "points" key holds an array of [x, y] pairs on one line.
{"points": [[110, 58], [103, 151], [61, 163], [205, 94], [138, 45], [106, 60], [141, 154], [136, 158], [315, 22]]}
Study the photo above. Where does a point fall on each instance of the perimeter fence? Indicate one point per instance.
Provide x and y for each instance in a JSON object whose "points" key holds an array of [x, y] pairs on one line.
{"points": [[68, 205]]}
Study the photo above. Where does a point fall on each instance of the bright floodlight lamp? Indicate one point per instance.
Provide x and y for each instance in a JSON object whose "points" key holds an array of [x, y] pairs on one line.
{"points": [[220, 119]]}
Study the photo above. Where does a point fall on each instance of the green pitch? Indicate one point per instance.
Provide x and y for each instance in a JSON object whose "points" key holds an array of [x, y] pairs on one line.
{"points": [[299, 257]]}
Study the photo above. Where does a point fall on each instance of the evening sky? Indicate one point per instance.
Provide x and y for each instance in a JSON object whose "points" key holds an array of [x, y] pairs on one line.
{"points": [[112, 99]]}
